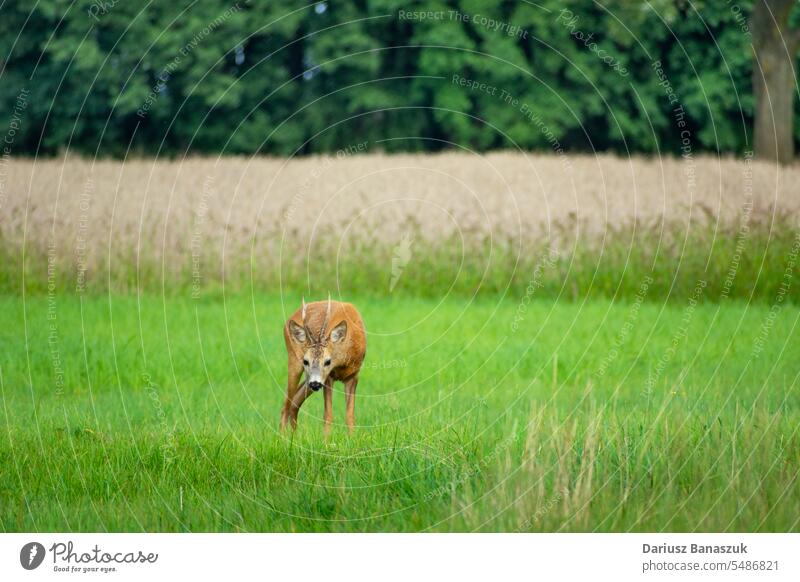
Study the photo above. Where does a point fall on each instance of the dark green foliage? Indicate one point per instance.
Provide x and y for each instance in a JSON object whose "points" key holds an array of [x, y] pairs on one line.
{"points": [[281, 78]]}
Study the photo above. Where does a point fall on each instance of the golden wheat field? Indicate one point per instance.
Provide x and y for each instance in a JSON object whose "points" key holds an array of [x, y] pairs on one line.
{"points": [[97, 211]]}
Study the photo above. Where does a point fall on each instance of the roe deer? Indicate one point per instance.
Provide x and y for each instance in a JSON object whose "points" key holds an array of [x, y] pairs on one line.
{"points": [[327, 341]]}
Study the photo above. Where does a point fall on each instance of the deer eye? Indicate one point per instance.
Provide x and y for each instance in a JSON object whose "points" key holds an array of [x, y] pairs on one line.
{"points": [[327, 362], [305, 362]]}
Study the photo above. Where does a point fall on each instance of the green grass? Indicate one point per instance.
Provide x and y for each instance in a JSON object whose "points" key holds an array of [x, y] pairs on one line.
{"points": [[473, 416]]}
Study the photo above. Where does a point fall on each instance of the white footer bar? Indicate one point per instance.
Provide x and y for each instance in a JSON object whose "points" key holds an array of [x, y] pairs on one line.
{"points": [[354, 557]]}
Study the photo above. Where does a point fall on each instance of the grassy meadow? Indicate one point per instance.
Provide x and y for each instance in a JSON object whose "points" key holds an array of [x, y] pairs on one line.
{"points": [[603, 349], [131, 413]]}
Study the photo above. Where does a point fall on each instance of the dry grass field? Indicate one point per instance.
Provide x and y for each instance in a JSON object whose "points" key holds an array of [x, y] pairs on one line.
{"points": [[489, 220], [506, 194]]}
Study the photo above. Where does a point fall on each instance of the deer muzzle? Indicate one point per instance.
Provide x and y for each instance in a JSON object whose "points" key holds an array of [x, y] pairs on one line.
{"points": [[315, 380]]}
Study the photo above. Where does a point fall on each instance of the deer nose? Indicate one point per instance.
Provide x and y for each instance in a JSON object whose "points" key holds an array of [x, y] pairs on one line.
{"points": [[315, 385]]}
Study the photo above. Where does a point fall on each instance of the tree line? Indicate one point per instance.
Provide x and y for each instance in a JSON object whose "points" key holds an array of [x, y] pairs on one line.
{"points": [[113, 77]]}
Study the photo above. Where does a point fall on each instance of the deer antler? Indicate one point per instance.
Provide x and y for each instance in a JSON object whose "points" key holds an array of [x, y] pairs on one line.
{"points": [[303, 316], [327, 317]]}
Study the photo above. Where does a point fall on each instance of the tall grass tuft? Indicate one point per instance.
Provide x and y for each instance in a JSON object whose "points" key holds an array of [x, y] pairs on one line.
{"points": [[655, 262]]}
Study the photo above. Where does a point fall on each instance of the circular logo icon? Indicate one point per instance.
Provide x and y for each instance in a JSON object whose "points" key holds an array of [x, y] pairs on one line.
{"points": [[31, 555]]}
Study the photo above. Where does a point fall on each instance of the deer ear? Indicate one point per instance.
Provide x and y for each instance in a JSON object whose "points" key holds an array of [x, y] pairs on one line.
{"points": [[339, 332], [297, 331]]}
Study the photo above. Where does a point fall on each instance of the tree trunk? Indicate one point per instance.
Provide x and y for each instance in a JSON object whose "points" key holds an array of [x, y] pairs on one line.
{"points": [[774, 82]]}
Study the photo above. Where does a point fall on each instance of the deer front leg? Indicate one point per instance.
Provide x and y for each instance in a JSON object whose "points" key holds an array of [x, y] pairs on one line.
{"points": [[289, 412], [350, 397], [292, 388], [328, 392], [300, 396]]}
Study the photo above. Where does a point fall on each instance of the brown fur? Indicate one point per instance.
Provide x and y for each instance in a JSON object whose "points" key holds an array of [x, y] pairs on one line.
{"points": [[306, 339]]}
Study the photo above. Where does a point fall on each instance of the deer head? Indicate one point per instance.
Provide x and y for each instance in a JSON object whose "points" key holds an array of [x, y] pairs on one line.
{"points": [[319, 356]]}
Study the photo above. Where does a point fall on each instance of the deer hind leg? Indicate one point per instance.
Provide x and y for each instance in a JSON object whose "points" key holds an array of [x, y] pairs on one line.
{"points": [[350, 398], [328, 392]]}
